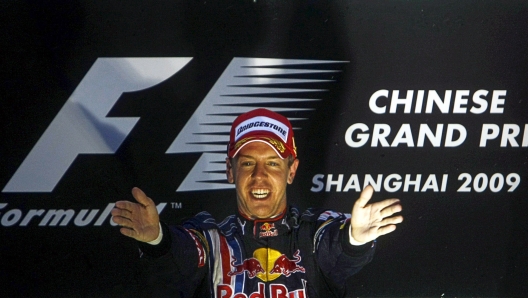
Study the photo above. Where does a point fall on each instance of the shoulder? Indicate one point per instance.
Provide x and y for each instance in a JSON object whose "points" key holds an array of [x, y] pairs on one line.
{"points": [[201, 221], [205, 221], [323, 215]]}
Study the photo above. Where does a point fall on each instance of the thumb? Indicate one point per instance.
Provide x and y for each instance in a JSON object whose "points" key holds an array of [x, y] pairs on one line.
{"points": [[141, 197], [365, 196]]}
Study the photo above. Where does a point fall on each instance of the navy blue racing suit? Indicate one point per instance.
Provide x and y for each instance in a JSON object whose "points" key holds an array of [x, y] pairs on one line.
{"points": [[291, 256]]}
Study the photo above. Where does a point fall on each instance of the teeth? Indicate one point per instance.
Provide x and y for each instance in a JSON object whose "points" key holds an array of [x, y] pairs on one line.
{"points": [[260, 193]]}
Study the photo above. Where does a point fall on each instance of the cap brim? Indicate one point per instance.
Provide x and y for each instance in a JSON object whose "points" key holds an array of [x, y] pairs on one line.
{"points": [[286, 153]]}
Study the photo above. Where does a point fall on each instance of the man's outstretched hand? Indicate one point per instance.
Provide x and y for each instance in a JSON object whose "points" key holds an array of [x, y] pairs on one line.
{"points": [[138, 220], [369, 221]]}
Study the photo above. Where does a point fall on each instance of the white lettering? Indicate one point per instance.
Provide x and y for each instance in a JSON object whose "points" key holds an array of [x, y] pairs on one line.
{"points": [[455, 135], [11, 217], [379, 134], [443, 106], [489, 132], [80, 219], [525, 136], [509, 133], [451, 128], [435, 139], [409, 182], [497, 100], [459, 101], [419, 102], [376, 184], [59, 217], [363, 138], [338, 183], [391, 183], [352, 183], [373, 99], [430, 183], [444, 182], [318, 183], [403, 136], [29, 216], [395, 186], [407, 101], [480, 102], [459, 105]]}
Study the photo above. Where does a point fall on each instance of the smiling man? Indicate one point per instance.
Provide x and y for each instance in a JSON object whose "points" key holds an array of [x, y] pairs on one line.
{"points": [[267, 249]]}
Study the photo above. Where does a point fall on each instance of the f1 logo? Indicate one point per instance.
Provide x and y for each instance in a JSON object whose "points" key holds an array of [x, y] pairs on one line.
{"points": [[81, 126]]}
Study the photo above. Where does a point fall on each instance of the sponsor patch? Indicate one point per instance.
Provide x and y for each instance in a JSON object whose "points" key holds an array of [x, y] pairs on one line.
{"points": [[262, 123], [199, 248], [268, 230]]}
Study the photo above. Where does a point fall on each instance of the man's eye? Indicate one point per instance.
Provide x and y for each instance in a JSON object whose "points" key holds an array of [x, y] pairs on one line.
{"points": [[246, 163], [273, 164]]}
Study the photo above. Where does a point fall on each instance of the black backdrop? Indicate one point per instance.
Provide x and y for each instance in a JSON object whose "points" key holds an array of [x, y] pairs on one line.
{"points": [[451, 243]]}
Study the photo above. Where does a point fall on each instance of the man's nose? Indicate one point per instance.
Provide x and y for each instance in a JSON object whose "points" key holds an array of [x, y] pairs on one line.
{"points": [[260, 171]]}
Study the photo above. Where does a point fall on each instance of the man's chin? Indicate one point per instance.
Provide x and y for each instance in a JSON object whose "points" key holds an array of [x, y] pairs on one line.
{"points": [[260, 213]]}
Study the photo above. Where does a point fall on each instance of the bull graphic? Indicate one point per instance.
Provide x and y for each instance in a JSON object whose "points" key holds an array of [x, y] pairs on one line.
{"points": [[251, 265], [285, 266]]}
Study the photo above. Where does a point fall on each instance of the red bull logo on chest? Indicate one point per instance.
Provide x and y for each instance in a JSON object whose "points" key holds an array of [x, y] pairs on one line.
{"points": [[267, 264], [268, 230], [283, 265], [275, 291], [252, 266]]}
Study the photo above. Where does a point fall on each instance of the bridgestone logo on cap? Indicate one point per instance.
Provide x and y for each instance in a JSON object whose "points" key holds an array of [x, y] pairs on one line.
{"points": [[262, 123]]}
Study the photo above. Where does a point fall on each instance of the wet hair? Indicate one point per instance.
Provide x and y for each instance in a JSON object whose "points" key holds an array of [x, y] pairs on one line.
{"points": [[290, 160]]}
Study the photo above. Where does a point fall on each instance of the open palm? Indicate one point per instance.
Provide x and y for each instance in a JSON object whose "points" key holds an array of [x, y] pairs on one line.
{"points": [[138, 220], [369, 221]]}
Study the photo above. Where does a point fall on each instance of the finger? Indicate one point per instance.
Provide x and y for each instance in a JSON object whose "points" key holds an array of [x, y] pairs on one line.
{"points": [[121, 212], [385, 203], [386, 229], [390, 210], [365, 196], [126, 205], [141, 197], [392, 220], [124, 222], [128, 232]]}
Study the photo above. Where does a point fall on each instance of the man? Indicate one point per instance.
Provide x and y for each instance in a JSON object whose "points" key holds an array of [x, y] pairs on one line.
{"points": [[268, 249]]}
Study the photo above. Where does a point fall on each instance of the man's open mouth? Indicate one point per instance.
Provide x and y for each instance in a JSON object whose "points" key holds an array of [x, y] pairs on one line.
{"points": [[260, 193]]}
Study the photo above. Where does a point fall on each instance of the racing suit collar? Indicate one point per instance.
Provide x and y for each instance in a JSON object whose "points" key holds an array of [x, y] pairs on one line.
{"points": [[264, 228]]}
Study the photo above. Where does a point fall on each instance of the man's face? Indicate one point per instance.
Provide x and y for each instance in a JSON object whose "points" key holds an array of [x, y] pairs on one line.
{"points": [[260, 178]]}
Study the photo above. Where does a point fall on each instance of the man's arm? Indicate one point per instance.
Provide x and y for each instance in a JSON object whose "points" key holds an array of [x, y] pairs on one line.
{"points": [[346, 246], [169, 266]]}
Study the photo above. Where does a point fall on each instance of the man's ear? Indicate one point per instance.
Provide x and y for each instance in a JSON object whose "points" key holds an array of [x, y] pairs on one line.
{"points": [[293, 170], [229, 171]]}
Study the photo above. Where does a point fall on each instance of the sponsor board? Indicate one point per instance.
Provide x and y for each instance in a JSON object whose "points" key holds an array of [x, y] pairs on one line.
{"points": [[246, 81], [59, 217]]}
